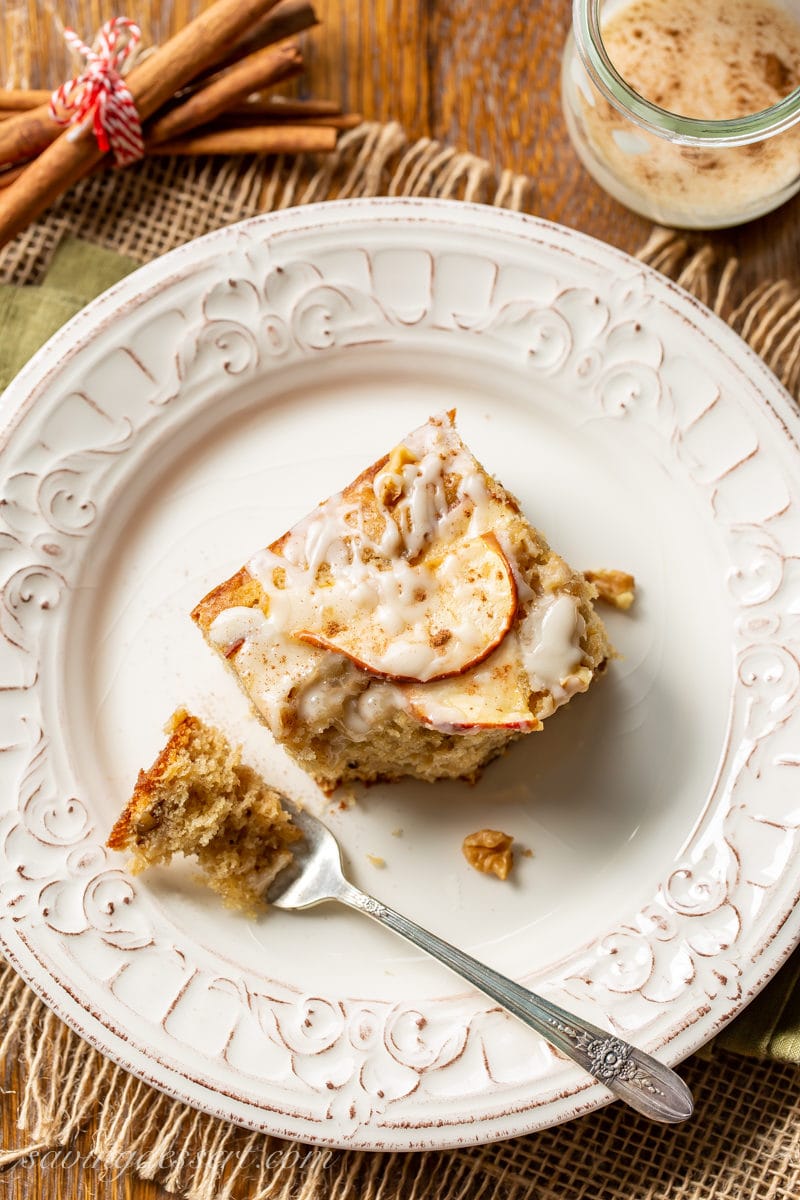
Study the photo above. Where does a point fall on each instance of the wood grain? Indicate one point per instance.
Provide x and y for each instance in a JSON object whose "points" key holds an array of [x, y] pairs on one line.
{"points": [[496, 91], [371, 55], [484, 77], [500, 97]]}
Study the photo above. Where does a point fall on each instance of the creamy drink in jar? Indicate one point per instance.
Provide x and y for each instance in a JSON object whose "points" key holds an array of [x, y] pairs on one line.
{"points": [[686, 109]]}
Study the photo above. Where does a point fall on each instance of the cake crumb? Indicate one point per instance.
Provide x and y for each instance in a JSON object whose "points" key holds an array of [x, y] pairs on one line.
{"points": [[527, 852], [377, 861], [616, 588], [489, 851], [397, 832], [345, 799]]}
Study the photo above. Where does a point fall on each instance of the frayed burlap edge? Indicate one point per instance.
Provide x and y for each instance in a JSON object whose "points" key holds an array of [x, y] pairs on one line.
{"points": [[766, 316], [745, 1138], [157, 205], [77, 1106]]}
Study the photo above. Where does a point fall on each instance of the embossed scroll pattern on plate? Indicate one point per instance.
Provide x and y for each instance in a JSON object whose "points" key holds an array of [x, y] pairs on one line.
{"points": [[376, 1067]]}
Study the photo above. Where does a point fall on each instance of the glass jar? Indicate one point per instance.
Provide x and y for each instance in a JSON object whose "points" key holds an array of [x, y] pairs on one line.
{"points": [[703, 170]]}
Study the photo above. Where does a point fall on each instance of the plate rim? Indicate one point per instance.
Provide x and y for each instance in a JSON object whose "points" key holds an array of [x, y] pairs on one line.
{"points": [[128, 293]]}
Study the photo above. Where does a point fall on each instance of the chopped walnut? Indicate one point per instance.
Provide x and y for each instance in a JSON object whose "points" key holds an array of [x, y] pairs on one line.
{"points": [[615, 587], [400, 457], [148, 820], [388, 489], [489, 851]]}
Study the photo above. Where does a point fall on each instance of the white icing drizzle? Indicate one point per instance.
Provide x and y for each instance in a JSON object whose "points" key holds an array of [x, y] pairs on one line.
{"points": [[550, 644], [342, 561], [329, 692], [372, 707], [271, 665]]}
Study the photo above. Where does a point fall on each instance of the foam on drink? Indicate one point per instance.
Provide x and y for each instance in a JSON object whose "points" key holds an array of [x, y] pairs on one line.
{"points": [[713, 60]]}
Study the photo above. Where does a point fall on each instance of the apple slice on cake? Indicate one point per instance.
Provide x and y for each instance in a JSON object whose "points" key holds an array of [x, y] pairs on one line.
{"points": [[440, 619]]}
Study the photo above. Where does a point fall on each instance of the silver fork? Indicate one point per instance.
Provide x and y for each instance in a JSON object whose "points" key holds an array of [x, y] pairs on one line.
{"points": [[645, 1084]]}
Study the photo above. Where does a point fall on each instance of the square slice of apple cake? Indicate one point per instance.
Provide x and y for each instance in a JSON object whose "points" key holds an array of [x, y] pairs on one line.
{"points": [[413, 624]]}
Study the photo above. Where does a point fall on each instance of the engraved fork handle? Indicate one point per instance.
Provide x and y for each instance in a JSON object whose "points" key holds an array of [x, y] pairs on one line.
{"points": [[633, 1076]]}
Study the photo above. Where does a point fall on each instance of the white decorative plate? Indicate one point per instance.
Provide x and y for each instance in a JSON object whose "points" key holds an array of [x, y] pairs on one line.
{"points": [[197, 409]]}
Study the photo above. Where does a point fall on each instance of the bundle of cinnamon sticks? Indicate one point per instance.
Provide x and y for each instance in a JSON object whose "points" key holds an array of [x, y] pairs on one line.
{"points": [[208, 90]]}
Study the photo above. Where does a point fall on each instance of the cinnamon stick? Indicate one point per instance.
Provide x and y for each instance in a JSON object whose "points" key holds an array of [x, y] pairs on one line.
{"points": [[266, 139], [343, 122], [263, 69], [286, 20], [196, 48], [241, 118], [283, 106], [200, 45], [18, 99], [26, 134], [268, 109], [8, 177], [31, 129]]}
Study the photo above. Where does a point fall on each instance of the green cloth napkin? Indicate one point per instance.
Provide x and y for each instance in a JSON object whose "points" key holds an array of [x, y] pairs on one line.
{"points": [[770, 1026], [30, 315]]}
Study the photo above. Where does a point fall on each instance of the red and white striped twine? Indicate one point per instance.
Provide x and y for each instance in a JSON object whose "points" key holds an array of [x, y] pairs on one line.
{"points": [[101, 93]]}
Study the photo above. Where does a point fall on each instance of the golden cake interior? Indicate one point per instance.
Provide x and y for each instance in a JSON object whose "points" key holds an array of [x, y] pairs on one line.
{"points": [[414, 624], [200, 800]]}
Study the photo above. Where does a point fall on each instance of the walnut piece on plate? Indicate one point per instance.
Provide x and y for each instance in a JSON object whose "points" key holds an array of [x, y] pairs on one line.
{"points": [[489, 851], [614, 587]]}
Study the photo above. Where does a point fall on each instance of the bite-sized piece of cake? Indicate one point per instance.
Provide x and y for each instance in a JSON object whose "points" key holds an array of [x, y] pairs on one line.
{"points": [[413, 624], [199, 799]]}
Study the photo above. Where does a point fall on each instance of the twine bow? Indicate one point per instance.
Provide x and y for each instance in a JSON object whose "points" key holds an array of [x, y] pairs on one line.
{"points": [[100, 93]]}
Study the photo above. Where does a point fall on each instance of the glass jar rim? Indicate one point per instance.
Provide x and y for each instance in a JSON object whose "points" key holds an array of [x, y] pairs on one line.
{"points": [[688, 131]]}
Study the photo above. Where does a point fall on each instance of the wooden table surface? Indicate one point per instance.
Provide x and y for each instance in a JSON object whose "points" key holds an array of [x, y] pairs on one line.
{"points": [[481, 76]]}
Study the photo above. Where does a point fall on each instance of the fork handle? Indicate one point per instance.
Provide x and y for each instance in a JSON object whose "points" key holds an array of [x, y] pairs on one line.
{"points": [[640, 1080]]}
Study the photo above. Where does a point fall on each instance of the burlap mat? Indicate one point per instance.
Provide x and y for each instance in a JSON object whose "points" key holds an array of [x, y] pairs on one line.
{"points": [[744, 1140]]}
